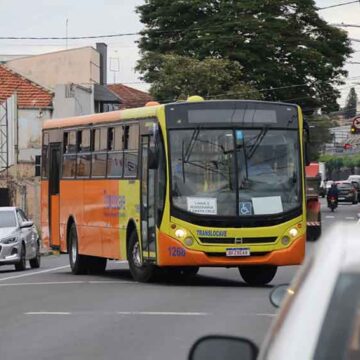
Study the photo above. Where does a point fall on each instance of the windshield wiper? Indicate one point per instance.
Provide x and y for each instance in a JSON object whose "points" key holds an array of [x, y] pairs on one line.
{"points": [[257, 142]]}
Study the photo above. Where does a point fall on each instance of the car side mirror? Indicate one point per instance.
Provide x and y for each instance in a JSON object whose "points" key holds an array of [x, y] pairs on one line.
{"points": [[224, 348], [27, 224], [278, 294]]}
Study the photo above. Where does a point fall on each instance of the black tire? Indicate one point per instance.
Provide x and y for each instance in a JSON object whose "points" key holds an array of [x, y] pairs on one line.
{"points": [[78, 263], [258, 275], [21, 265], [332, 209], [96, 265], [140, 272], [35, 262]]}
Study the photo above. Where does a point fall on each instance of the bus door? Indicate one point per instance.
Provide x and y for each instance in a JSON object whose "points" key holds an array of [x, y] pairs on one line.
{"points": [[54, 194], [148, 223]]}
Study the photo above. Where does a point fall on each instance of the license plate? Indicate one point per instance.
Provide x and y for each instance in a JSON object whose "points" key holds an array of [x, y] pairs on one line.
{"points": [[341, 198], [238, 252]]}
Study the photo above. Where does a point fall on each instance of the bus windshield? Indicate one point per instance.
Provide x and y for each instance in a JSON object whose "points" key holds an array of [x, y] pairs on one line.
{"points": [[235, 172]]}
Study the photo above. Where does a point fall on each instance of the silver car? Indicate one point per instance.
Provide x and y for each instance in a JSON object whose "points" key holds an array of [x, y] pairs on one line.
{"points": [[19, 239]]}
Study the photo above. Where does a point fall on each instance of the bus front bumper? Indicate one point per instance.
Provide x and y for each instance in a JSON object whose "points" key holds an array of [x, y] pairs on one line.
{"points": [[292, 255]]}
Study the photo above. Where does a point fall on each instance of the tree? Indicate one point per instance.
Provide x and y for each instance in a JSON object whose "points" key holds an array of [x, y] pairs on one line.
{"points": [[319, 135], [287, 51], [181, 76], [351, 104]]}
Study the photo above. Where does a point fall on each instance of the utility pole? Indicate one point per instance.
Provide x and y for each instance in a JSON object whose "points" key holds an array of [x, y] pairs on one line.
{"points": [[67, 34]]}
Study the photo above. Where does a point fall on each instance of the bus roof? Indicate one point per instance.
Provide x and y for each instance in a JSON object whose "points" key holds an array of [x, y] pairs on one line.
{"points": [[143, 112]]}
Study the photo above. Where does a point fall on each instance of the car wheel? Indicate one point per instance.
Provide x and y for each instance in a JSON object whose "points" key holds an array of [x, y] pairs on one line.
{"points": [[21, 265], [258, 275], [139, 271], [78, 263], [35, 262]]}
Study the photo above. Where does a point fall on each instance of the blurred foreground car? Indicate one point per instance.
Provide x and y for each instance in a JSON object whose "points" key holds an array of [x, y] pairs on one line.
{"points": [[320, 315], [19, 240]]}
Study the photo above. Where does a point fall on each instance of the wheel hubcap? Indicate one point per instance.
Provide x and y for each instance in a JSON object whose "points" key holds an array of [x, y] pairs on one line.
{"points": [[136, 255], [73, 251]]}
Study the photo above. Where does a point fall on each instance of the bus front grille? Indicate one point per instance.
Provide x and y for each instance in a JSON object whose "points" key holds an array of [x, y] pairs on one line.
{"points": [[234, 241], [223, 254]]}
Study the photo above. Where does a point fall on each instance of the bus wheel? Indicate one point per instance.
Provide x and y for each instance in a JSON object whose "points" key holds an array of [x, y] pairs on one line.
{"points": [[258, 275], [139, 271], [78, 263]]}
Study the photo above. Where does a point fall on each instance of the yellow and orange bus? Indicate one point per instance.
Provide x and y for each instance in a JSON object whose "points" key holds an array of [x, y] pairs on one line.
{"points": [[177, 187]]}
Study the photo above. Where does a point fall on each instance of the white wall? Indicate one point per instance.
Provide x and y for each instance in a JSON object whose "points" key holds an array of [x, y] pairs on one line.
{"points": [[30, 122], [72, 100], [80, 66]]}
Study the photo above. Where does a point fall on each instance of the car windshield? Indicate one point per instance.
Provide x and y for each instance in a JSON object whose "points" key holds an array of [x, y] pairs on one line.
{"points": [[231, 172], [7, 219], [341, 327]]}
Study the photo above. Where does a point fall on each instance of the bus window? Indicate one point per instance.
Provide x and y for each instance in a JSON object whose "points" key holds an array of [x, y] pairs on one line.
{"points": [[116, 156], [118, 143], [69, 160], [111, 139], [131, 144], [115, 164], [83, 163], [131, 137], [44, 156], [100, 139], [98, 169]]}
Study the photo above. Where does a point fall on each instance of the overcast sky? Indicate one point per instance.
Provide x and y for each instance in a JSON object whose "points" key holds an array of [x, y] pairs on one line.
{"points": [[97, 17]]}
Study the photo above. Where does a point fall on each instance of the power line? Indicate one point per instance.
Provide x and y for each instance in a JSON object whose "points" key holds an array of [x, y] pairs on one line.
{"points": [[341, 4]]}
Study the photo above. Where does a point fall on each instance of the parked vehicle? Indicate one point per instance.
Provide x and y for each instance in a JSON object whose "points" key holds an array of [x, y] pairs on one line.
{"points": [[347, 192], [326, 292], [19, 239], [355, 179]]}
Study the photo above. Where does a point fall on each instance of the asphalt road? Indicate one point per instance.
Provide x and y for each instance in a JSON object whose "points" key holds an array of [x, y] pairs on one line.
{"points": [[49, 313]]}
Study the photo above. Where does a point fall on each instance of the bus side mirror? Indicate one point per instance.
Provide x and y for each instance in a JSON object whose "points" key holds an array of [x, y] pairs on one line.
{"points": [[153, 159], [38, 165], [306, 143]]}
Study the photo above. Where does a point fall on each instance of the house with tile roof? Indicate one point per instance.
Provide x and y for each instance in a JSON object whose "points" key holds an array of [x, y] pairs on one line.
{"points": [[130, 97], [24, 106]]}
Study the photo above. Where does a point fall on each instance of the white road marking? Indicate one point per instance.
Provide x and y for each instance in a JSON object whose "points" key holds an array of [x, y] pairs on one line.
{"points": [[69, 283], [121, 262], [160, 313], [47, 313], [349, 218], [34, 273], [270, 315], [330, 217]]}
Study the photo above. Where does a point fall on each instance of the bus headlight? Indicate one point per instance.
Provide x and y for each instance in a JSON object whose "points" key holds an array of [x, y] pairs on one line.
{"points": [[293, 232], [285, 240], [180, 233], [189, 241]]}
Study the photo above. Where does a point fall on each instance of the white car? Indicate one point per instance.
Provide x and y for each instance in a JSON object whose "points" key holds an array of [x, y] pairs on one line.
{"points": [[19, 240], [320, 315]]}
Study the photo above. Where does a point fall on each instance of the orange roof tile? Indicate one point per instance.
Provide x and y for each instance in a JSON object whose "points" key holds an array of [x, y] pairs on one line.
{"points": [[130, 97], [29, 94]]}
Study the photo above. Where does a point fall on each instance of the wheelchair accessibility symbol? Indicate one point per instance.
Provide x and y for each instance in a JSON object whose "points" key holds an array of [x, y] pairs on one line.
{"points": [[245, 208]]}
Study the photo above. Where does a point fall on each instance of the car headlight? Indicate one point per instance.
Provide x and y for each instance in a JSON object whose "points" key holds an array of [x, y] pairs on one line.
{"points": [[8, 241]]}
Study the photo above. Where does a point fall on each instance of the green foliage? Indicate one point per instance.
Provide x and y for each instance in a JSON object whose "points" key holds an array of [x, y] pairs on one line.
{"points": [[180, 76], [351, 104], [319, 135], [335, 163], [281, 44]]}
